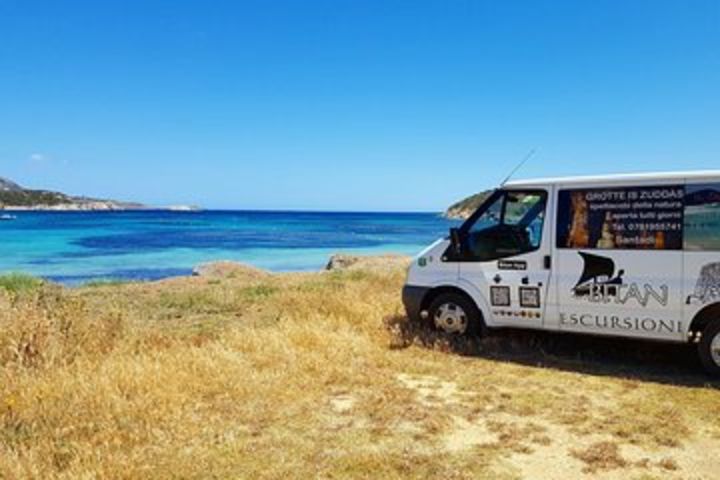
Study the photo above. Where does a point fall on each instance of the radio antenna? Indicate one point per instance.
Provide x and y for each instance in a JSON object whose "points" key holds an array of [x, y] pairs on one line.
{"points": [[517, 167]]}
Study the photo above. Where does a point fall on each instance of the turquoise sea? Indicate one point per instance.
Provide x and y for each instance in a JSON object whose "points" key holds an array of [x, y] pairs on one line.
{"points": [[75, 247]]}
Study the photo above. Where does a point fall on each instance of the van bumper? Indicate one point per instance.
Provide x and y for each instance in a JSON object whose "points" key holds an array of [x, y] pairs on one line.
{"points": [[412, 298]]}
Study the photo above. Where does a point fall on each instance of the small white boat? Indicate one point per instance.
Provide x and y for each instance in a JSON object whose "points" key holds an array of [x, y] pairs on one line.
{"points": [[7, 216]]}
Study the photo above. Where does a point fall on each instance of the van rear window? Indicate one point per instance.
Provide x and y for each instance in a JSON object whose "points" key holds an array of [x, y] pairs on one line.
{"points": [[702, 217], [650, 218]]}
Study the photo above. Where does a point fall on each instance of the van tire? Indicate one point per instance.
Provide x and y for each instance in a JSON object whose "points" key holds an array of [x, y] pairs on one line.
{"points": [[710, 340], [449, 311]]}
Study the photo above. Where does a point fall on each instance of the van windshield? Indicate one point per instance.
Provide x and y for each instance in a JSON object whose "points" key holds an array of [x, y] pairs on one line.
{"points": [[510, 223]]}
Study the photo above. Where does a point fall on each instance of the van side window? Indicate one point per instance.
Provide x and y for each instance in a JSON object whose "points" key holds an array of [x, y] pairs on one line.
{"points": [[511, 224], [702, 217], [490, 217], [526, 211]]}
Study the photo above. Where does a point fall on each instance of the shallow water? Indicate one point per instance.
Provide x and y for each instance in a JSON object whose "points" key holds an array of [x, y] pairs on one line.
{"points": [[75, 247]]}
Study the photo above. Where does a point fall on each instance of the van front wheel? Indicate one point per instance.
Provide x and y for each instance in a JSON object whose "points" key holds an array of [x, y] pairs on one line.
{"points": [[455, 314], [709, 348]]}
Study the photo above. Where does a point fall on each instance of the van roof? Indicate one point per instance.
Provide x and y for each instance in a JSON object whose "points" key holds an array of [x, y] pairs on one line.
{"points": [[706, 175]]}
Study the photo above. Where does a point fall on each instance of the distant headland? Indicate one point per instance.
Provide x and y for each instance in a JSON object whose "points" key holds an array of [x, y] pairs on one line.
{"points": [[465, 207], [16, 197]]}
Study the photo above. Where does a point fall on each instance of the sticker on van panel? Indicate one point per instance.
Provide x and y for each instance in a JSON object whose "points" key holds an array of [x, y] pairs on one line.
{"points": [[598, 276], [593, 321], [621, 218], [512, 265], [600, 283], [500, 296], [529, 297], [707, 287]]}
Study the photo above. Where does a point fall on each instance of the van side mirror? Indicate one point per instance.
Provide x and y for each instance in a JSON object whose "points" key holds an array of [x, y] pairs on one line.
{"points": [[456, 240]]}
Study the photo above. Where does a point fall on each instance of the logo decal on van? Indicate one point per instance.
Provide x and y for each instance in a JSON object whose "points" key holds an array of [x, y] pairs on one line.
{"points": [[512, 265], [616, 323], [598, 276], [707, 288], [599, 283]]}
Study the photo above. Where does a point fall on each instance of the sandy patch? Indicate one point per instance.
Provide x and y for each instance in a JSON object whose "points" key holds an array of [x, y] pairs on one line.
{"points": [[543, 450], [342, 404]]}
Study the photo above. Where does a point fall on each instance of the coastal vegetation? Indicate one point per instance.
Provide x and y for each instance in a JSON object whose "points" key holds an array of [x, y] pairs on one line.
{"points": [[27, 198], [19, 282], [238, 373]]}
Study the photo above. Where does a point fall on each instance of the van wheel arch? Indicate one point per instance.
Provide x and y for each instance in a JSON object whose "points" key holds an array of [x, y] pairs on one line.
{"points": [[707, 315], [433, 294]]}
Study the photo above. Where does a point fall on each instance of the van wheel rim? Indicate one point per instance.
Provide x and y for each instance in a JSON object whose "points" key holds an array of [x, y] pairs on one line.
{"points": [[451, 318], [715, 349]]}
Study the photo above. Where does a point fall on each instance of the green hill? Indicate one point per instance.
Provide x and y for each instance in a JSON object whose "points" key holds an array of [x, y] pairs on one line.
{"points": [[30, 198], [13, 195], [465, 207]]}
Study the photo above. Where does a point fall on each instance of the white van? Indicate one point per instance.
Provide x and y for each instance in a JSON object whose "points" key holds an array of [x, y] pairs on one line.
{"points": [[626, 255]]}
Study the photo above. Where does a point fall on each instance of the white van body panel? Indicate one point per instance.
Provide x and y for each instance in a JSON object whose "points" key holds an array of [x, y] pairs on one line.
{"points": [[650, 305], [639, 257], [476, 293], [428, 269]]}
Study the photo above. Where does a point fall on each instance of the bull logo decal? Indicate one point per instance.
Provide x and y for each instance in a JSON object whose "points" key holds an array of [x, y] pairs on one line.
{"points": [[707, 288]]}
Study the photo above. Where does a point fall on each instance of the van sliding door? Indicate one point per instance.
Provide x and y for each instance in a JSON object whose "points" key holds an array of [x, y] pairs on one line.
{"points": [[619, 260]]}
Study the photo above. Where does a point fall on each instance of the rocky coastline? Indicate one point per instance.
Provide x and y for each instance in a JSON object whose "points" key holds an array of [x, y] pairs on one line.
{"points": [[14, 197], [90, 206]]}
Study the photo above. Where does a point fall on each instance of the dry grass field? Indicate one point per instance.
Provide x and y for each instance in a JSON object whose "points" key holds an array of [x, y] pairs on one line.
{"points": [[242, 374]]}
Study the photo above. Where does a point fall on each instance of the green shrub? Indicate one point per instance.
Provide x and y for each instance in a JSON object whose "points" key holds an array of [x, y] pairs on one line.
{"points": [[19, 282]]}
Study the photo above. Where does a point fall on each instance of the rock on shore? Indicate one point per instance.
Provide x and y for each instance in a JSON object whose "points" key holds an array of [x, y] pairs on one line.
{"points": [[228, 269], [339, 261], [342, 261]]}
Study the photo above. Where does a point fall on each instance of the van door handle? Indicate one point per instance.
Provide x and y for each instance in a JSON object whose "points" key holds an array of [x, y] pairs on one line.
{"points": [[547, 262]]}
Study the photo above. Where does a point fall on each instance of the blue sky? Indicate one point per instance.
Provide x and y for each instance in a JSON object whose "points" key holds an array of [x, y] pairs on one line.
{"points": [[350, 105]]}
